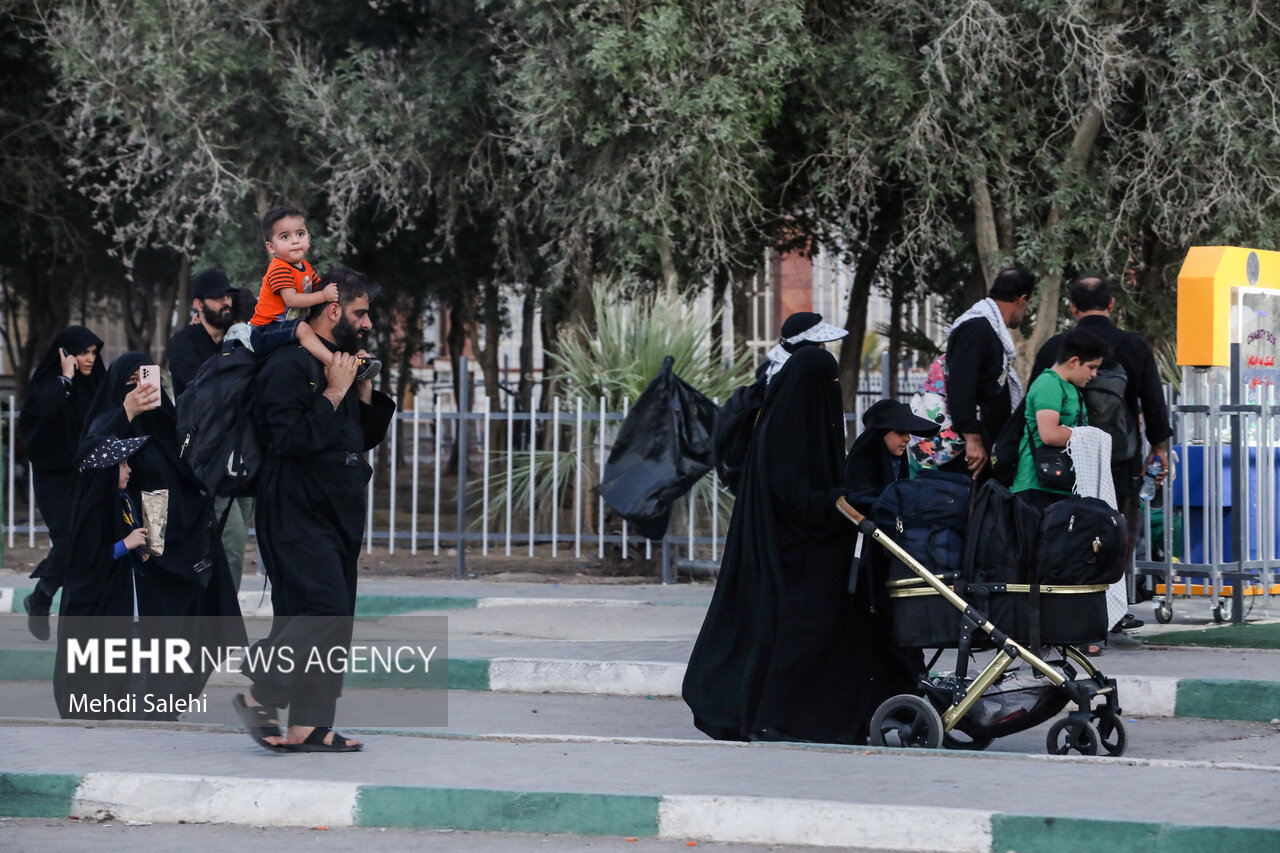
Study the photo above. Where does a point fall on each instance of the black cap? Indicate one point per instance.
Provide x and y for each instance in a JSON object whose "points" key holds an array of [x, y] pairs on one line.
{"points": [[896, 415], [209, 284]]}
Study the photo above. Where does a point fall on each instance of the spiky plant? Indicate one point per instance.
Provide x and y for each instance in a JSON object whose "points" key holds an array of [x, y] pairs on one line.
{"points": [[617, 361]]}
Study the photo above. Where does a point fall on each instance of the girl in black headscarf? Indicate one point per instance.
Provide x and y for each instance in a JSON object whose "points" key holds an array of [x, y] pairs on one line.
{"points": [[105, 564], [878, 456], [190, 578], [773, 658], [54, 409]]}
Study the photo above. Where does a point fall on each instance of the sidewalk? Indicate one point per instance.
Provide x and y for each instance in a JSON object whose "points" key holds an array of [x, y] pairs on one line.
{"points": [[633, 640], [574, 642], [822, 796]]}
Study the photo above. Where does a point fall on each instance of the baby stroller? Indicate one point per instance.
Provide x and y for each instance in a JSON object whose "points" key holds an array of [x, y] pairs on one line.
{"points": [[960, 712]]}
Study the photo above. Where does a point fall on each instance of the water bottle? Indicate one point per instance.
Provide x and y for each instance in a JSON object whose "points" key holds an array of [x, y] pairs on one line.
{"points": [[1148, 490]]}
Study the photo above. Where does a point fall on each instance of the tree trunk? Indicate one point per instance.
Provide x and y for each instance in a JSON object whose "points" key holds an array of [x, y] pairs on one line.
{"points": [[741, 307], [720, 281], [670, 280], [985, 233], [896, 301], [1046, 321], [182, 298], [457, 338], [884, 224], [524, 390]]}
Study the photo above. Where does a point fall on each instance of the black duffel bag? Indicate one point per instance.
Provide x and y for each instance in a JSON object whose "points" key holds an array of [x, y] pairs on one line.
{"points": [[1082, 541]]}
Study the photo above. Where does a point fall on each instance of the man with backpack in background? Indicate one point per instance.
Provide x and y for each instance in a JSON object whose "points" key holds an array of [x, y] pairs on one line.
{"points": [[213, 301], [1126, 389], [196, 343]]}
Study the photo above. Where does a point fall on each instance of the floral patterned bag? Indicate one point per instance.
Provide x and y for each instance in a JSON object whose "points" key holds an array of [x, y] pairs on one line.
{"points": [[930, 402]]}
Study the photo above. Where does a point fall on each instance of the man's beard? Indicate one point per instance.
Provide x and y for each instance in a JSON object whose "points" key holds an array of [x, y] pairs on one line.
{"points": [[348, 338], [220, 319]]}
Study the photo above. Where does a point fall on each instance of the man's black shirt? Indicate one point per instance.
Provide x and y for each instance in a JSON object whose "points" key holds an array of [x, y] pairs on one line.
{"points": [[188, 350], [975, 362]]}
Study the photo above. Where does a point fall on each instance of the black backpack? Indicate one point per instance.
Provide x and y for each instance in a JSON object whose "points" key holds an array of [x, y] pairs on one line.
{"points": [[1104, 400], [217, 431], [927, 516], [1008, 445], [731, 434], [1082, 541], [1000, 543]]}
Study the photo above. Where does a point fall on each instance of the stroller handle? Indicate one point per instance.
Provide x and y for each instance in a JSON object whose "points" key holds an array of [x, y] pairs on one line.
{"points": [[847, 510]]}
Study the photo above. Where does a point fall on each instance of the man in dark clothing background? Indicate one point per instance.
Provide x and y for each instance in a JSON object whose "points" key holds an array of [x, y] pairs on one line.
{"points": [[195, 344], [212, 299], [982, 385], [1091, 306], [311, 514]]}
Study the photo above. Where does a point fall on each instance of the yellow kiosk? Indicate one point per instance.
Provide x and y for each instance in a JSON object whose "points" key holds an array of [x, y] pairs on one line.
{"points": [[1228, 327]]}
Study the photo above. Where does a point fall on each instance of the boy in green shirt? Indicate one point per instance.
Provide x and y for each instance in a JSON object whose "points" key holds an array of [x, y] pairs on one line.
{"points": [[1054, 405]]}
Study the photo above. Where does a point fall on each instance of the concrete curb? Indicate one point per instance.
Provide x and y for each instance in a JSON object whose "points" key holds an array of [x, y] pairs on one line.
{"points": [[256, 604], [1140, 695], [757, 820]]}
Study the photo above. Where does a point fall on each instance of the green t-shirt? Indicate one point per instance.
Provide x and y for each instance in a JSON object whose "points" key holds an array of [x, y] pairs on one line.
{"points": [[1049, 391]]}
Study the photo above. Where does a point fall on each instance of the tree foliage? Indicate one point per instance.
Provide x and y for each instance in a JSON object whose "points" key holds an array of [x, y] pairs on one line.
{"points": [[466, 151]]}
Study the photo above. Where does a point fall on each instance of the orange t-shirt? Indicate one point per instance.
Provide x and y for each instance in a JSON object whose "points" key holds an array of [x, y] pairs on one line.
{"points": [[281, 274]]}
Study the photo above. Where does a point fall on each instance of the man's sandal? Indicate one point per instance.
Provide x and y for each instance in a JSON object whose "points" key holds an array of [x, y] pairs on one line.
{"points": [[261, 723], [315, 742]]}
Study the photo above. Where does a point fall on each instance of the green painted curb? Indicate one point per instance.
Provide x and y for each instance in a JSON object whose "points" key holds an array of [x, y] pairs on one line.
{"points": [[26, 664], [1228, 699], [1026, 834], [37, 794], [506, 811], [373, 607], [1247, 636]]}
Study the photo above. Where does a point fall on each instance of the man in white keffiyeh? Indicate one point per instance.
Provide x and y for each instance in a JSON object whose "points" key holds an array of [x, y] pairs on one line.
{"points": [[973, 388]]}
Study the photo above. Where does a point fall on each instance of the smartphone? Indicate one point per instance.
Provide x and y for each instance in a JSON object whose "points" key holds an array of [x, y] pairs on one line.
{"points": [[149, 375]]}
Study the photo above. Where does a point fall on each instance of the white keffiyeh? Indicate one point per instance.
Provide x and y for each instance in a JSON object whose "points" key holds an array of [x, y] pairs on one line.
{"points": [[1090, 452], [989, 311], [777, 357]]}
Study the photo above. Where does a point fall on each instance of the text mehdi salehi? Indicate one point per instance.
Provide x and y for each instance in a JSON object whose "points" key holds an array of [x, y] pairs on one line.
{"points": [[132, 703]]}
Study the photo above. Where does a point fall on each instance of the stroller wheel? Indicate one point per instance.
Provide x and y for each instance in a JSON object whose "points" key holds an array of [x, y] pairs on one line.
{"points": [[1061, 740], [906, 721], [1114, 739]]}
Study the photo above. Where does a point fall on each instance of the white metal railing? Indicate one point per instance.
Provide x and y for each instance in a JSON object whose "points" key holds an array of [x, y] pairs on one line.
{"points": [[515, 455]]}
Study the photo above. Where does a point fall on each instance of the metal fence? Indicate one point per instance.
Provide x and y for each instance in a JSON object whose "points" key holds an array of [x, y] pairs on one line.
{"points": [[1226, 497], [528, 490]]}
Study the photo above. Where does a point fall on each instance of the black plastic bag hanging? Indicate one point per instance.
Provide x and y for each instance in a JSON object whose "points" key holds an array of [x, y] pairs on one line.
{"points": [[663, 448]]}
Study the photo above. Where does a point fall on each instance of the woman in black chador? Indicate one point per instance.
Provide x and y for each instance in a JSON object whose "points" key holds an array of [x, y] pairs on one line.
{"points": [[774, 658], [190, 579], [54, 409]]}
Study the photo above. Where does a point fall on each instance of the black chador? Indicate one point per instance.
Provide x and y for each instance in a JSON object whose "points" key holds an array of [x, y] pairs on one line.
{"points": [[53, 416], [310, 522], [774, 655], [186, 591]]}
